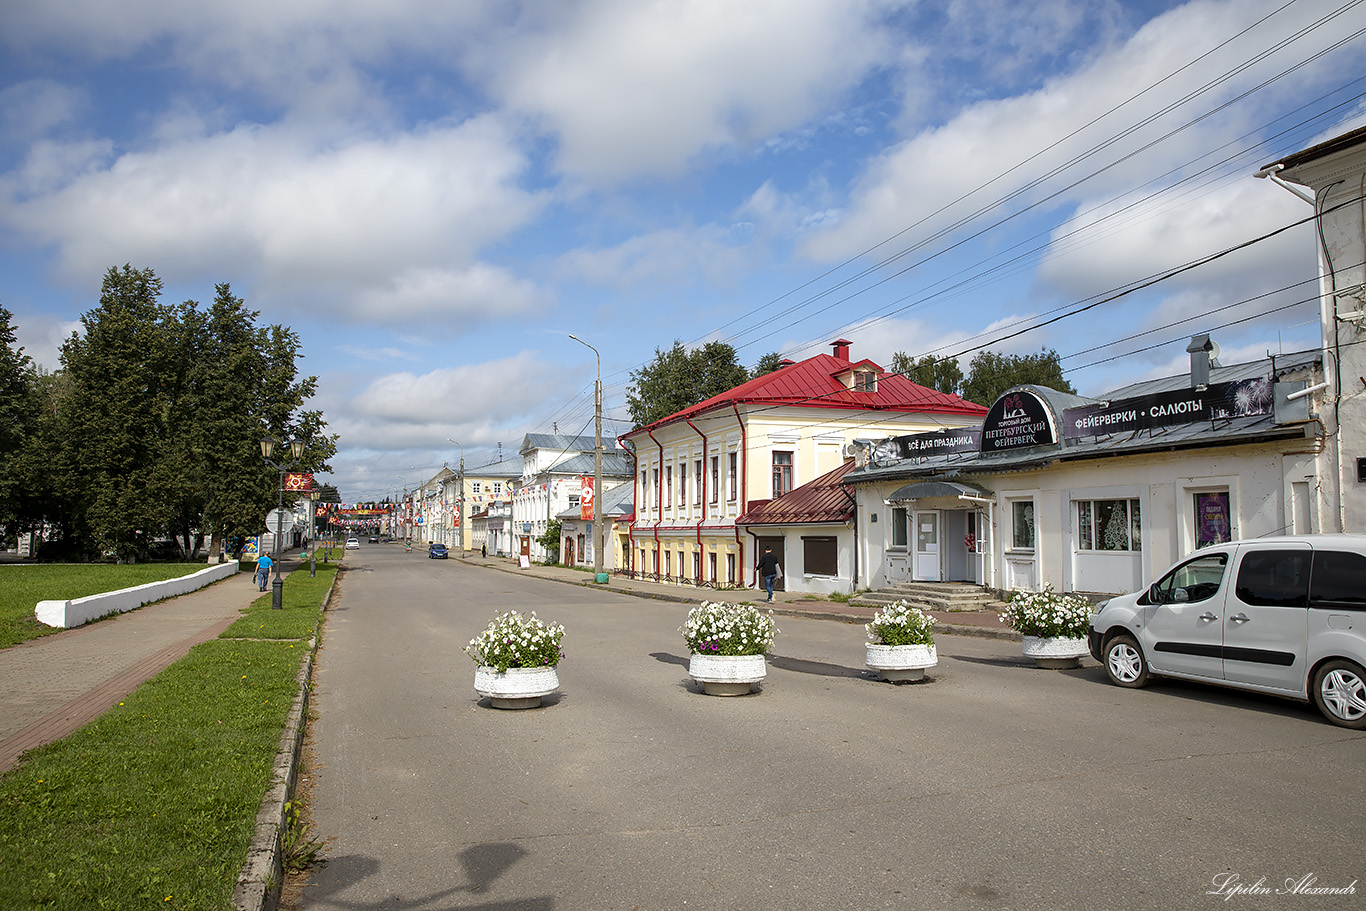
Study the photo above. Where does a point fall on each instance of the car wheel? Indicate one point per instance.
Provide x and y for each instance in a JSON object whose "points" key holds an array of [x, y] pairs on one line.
{"points": [[1124, 662], [1340, 694]]}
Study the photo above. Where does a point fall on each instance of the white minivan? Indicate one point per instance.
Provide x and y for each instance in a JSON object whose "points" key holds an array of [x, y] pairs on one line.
{"points": [[1284, 615]]}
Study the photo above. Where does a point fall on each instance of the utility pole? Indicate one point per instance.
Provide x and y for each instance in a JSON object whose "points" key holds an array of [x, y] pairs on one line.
{"points": [[599, 534], [460, 496]]}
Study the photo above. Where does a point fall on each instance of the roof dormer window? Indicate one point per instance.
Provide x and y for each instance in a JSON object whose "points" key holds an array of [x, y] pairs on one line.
{"points": [[865, 381]]}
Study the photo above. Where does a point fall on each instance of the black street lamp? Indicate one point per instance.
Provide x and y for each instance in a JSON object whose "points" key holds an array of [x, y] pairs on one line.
{"points": [[296, 449]]}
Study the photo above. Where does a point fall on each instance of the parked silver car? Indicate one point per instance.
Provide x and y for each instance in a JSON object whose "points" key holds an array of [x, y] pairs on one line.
{"points": [[1284, 615]]}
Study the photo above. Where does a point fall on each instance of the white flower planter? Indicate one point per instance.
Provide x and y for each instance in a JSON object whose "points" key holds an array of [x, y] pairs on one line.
{"points": [[727, 675], [1055, 653], [517, 688], [900, 662]]}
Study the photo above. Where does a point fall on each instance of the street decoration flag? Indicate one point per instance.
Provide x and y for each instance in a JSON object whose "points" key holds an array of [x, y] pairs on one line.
{"points": [[586, 498], [298, 482]]}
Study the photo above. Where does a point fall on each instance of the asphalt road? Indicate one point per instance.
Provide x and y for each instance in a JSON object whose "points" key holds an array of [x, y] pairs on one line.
{"points": [[990, 785]]}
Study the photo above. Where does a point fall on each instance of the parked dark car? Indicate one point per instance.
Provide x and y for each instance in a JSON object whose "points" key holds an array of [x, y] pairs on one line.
{"points": [[437, 552]]}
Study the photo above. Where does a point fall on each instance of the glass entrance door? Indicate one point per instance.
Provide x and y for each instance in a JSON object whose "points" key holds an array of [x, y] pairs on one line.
{"points": [[927, 546]]}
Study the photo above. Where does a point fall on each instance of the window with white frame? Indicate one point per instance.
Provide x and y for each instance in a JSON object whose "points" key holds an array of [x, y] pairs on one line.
{"points": [[1108, 525], [899, 517], [697, 485], [865, 381], [682, 485], [1022, 524], [715, 479], [782, 472], [732, 489], [497, 488], [475, 488], [730, 569]]}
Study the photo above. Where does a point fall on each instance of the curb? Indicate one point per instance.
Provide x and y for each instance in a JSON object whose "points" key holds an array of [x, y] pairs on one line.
{"points": [[262, 876], [941, 628]]}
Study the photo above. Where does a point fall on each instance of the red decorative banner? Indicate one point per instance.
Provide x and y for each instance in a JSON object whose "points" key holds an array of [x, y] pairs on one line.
{"points": [[298, 483], [586, 498]]}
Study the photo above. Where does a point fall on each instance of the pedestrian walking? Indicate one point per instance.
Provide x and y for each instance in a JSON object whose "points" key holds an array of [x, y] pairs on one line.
{"points": [[263, 564], [768, 569], [484, 551]]}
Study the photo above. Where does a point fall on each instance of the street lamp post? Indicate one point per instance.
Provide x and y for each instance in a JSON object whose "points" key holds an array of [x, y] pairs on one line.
{"points": [[598, 530], [296, 450], [460, 497]]}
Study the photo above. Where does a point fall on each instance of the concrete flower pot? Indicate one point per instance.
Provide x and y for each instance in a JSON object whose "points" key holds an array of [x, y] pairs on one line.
{"points": [[517, 687], [1054, 653], [898, 663], [727, 675]]}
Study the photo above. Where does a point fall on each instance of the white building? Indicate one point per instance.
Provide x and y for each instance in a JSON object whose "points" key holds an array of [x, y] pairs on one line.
{"points": [[553, 467]]}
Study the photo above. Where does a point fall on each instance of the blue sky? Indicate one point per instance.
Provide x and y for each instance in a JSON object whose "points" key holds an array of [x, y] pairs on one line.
{"points": [[435, 198]]}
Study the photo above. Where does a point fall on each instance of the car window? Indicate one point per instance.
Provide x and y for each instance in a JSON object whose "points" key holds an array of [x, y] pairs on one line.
{"points": [[1196, 580], [1274, 578], [1339, 580]]}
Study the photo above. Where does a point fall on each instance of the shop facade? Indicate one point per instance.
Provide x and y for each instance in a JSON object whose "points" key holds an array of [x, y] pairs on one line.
{"points": [[1093, 495]]}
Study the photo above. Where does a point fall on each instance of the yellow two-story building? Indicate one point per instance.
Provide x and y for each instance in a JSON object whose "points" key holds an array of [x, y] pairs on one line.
{"points": [[699, 469]]}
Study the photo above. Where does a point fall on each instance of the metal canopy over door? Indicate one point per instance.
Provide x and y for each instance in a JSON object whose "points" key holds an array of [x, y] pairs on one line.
{"points": [[926, 527]]}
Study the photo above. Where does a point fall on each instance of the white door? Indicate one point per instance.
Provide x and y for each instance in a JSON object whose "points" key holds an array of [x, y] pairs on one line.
{"points": [[927, 547]]}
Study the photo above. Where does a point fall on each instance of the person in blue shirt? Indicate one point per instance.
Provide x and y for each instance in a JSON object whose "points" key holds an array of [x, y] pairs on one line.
{"points": [[263, 565]]}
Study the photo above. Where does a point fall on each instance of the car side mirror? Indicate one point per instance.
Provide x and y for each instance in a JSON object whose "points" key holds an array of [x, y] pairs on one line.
{"points": [[1180, 595]]}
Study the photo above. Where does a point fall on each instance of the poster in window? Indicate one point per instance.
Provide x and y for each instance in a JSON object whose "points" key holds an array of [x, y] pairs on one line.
{"points": [[1212, 523]]}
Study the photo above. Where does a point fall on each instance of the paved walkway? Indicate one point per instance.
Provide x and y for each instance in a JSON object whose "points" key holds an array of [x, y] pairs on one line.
{"points": [[51, 686]]}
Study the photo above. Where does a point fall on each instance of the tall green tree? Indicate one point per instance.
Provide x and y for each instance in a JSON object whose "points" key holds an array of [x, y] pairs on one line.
{"points": [[119, 418], [767, 364], [990, 374], [160, 411], [17, 418], [941, 374], [679, 378]]}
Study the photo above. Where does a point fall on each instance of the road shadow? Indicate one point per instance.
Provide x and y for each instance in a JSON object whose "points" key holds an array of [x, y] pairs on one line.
{"points": [[666, 658], [818, 668], [483, 866]]}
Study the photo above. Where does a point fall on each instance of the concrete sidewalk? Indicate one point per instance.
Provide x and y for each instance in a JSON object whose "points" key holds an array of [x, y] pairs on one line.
{"points": [[984, 623], [51, 686]]}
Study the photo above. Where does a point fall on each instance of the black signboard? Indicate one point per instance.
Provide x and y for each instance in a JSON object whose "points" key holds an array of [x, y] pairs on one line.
{"points": [[1016, 421], [1166, 409], [922, 445]]}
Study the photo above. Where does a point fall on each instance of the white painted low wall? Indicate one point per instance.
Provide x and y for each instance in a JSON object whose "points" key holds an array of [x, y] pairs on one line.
{"points": [[79, 611]]}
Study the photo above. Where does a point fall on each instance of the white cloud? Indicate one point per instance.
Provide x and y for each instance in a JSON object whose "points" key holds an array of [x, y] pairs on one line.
{"points": [[32, 109], [989, 154], [453, 397], [664, 258], [390, 226], [635, 88]]}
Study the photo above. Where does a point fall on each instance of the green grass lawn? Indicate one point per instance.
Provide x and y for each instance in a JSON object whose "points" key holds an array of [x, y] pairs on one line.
{"points": [[154, 803], [22, 587]]}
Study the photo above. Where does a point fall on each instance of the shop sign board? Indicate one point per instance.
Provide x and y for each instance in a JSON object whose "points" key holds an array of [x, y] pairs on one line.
{"points": [[1219, 401], [923, 445], [1017, 421]]}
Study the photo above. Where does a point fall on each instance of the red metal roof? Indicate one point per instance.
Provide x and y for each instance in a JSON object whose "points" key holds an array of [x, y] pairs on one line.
{"points": [[816, 383], [824, 499]]}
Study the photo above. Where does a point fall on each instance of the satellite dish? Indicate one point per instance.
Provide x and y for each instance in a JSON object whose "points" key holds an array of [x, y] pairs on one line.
{"points": [[1214, 354]]}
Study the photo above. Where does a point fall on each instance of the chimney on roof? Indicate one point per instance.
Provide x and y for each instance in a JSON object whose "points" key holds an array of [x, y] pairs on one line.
{"points": [[1202, 352], [842, 348]]}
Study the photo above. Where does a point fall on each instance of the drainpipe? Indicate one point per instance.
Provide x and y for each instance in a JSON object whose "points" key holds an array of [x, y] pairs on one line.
{"points": [[1328, 313], [660, 492], [631, 529], [744, 487], [703, 518]]}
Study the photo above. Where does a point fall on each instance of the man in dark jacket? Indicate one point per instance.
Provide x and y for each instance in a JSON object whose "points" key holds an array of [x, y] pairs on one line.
{"points": [[767, 568]]}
